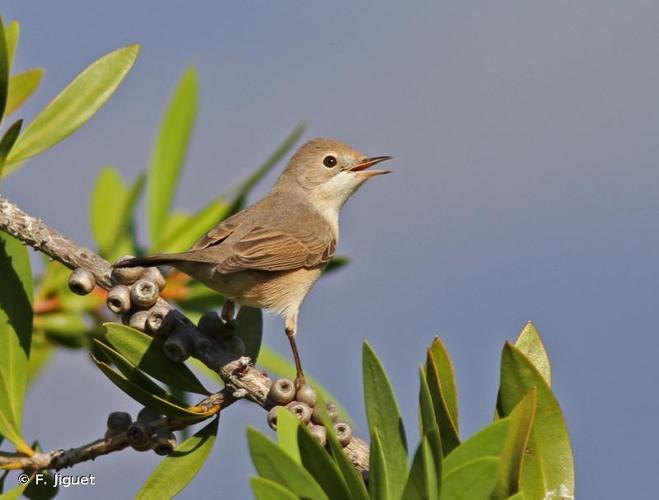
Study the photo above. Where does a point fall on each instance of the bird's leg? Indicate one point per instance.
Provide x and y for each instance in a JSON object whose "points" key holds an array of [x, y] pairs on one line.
{"points": [[228, 312], [291, 331]]}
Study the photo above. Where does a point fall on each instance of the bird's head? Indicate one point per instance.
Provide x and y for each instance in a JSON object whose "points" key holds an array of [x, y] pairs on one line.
{"points": [[329, 171]]}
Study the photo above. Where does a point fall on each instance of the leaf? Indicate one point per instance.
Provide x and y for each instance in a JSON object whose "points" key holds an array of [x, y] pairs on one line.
{"points": [[140, 395], [441, 381], [428, 423], [180, 237], [265, 489], [273, 463], [423, 481], [337, 262], [4, 70], [41, 352], [76, 104], [352, 478], [7, 142], [319, 463], [487, 442], [530, 343], [243, 190], [514, 449], [287, 425], [112, 210], [147, 354], [472, 481], [169, 152], [548, 462], [379, 484], [15, 335], [274, 362], [384, 415], [12, 32], [249, 327], [21, 87], [177, 470]]}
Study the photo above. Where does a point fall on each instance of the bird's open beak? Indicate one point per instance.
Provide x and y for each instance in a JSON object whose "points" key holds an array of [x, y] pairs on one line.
{"points": [[369, 162]]}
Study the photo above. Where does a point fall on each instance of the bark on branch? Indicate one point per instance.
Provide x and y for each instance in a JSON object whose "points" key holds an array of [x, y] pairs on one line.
{"points": [[242, 379]]}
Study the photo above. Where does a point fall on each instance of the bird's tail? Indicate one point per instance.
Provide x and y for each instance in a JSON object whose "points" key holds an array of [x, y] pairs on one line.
{"points": [[165, 259]]}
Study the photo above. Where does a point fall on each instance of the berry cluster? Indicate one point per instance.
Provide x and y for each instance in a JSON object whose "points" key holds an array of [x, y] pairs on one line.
{"points": [[303, 404], [142, 434]]}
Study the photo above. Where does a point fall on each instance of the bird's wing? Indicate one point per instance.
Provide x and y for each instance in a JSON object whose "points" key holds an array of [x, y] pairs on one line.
{"points": [[277, 249], [220, 232]]}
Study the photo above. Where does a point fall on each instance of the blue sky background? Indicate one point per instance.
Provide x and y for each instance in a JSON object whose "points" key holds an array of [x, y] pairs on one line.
{"points": [[525, 187]]}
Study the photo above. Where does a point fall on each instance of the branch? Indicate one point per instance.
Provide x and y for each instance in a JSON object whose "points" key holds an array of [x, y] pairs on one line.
{"points": [[243, 380]]}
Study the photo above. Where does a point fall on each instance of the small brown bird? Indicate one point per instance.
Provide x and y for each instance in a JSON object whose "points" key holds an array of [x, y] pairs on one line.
{"points": [[270, 254]]}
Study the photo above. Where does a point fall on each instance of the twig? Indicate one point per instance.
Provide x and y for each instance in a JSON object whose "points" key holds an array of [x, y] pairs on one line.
{"points": [[242, 379]]}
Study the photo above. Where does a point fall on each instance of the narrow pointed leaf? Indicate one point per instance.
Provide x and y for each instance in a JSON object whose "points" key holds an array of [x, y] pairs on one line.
{"points": [[287, 425], [487, 442], [515, 445], [176, 471], [548, 464], [432, 469], [147, 353], [265, 489], [274, 362], [136, 392], [337, 262], [530, 343], [273, 463], [249, 327], [21, 87], [15, 334], [428, 423], [76, 104], [384, 415], [378, 481], [321, 466], [4, 70], [7, 142], [441, 382], [472, 481], [169, 152], [352, 479], [12, 33], [416, 486]]}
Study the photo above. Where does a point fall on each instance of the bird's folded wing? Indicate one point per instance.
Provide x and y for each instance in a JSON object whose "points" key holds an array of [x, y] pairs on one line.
{"points": [[277, 250]]}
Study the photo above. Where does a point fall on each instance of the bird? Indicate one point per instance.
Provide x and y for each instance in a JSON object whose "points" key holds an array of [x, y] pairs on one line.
{"points": [[270, 254]]}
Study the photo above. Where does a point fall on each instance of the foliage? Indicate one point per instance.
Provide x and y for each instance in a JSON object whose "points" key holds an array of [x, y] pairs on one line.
{"points": [[525, 451]]}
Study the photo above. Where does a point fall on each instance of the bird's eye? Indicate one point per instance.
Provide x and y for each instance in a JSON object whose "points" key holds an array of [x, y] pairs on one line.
{"points": [[329, 161]]}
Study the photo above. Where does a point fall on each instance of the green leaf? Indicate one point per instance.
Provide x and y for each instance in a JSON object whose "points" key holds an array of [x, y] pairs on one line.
{"points": [[76, 104], [12, 32], [4, 70], [243, 190], [273, 463], [140, 395], [274, 362], [423, 481], [441, 381], [7, 142], [41, 352], [112, 210], [515, 446], [249, 327], [352, 478], [472, 481], [189, 229], [379, 484], [548, 464], [15, 335], [428, 423], [169, 152], [384, 415], [147, 353], [530, 343], [487, 442], [265, 489], [177, 470], [337, 262], [287, 425], [517, 496], [21, 87], [319, 463]]}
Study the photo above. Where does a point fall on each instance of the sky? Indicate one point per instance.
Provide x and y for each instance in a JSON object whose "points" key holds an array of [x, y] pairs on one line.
{"points": [[525, 188]]}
